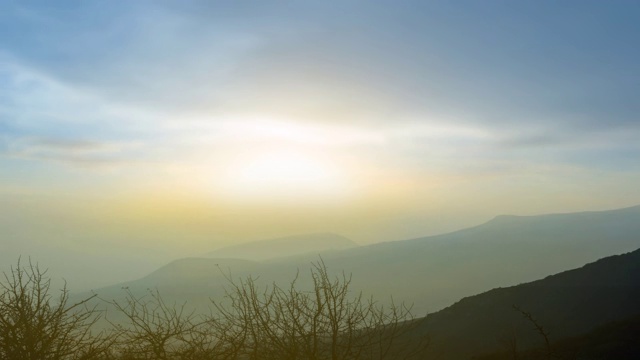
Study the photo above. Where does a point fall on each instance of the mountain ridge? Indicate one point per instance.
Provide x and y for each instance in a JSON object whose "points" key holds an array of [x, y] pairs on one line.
{"points": [[286, 246], [438, 270], [567, 304]]}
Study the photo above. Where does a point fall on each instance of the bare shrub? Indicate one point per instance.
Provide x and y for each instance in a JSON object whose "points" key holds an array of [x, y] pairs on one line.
{"points": [[328, 322], [37, 325]]}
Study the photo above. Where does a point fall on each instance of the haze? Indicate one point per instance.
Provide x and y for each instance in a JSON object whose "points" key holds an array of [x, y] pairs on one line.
{"points": [[136, 133]]}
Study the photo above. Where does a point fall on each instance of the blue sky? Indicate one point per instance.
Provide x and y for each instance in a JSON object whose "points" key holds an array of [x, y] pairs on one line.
{"points": [[541, 73], [413, 116]]}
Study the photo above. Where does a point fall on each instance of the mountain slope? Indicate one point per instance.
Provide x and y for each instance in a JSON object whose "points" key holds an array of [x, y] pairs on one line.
{"points": [[567, 304], [618, 340], [438, 270], [285, 247], [434, 272]]}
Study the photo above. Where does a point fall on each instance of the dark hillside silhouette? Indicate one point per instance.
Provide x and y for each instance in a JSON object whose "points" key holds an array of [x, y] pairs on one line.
{"points": [[567, 304], [619, 340]]}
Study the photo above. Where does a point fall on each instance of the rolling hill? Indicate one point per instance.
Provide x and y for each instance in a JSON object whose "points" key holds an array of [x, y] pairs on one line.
{"points": [[284, 247], [431, 272]]}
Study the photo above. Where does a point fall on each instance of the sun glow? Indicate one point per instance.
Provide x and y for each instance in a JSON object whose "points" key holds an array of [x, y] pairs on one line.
{"points": [[284, 173]]}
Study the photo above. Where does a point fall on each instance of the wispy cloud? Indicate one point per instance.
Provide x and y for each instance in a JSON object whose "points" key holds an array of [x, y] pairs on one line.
{"points": [[411, 85], [76, 152], [303, 62]]}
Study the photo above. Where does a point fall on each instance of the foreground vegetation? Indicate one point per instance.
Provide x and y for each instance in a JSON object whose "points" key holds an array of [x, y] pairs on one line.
{"points": [[328, 321]]}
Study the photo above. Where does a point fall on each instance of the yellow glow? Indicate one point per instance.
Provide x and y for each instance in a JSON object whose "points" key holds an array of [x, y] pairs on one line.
{"points": [[284, 172]]}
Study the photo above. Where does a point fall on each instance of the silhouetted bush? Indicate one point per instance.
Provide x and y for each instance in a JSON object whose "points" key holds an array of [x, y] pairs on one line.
{"points": [[155, 329], [37, 325], [326, 322]]}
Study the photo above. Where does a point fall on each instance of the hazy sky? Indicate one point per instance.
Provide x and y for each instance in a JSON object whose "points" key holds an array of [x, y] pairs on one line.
{"points": [[159, 129]]}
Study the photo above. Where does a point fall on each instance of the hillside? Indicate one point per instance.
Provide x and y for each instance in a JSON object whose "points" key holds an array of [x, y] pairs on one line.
{"points": [[284, 247], [434, 272], [618, 340], [568, 304]]}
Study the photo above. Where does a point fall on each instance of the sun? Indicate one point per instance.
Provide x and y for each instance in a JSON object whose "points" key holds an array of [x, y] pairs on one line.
{"points": [[284, 173], [284, 170]]}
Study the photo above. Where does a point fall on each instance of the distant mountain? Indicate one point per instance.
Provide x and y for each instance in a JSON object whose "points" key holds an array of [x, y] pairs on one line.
{"points": [[431, 272], [192, 280], [568, 304], [435, 271], [285, 247]]}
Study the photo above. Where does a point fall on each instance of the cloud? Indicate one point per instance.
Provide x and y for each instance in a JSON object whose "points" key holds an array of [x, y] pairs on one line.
{"points": [[340, 61], [76, 152], [412, 81], [44, 119]]}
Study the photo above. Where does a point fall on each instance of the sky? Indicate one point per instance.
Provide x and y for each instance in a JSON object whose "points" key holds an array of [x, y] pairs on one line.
{"points": [[136, 132]]}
